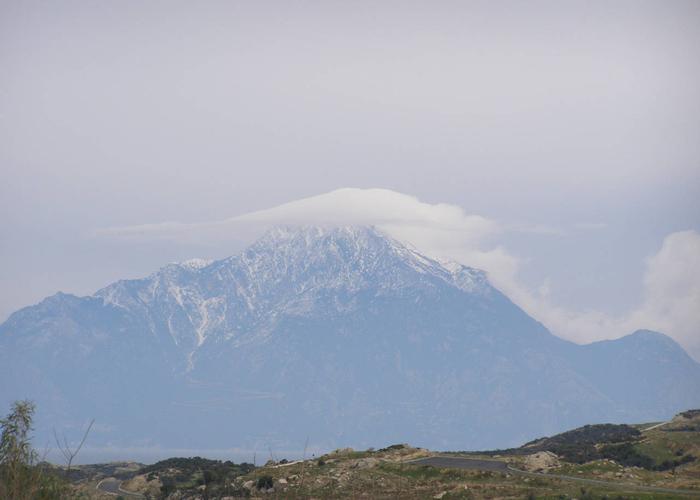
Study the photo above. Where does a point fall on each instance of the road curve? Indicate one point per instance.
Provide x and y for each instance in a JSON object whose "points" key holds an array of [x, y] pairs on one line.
{"points": [[499, 466], [112, 486]]}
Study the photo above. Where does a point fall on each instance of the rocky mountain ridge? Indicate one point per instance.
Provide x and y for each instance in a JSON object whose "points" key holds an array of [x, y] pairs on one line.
{"points": [[340, 334]]}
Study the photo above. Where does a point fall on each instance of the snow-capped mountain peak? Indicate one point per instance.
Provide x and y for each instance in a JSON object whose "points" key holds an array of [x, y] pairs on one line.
{"points": [[288, 271], [337, 332], [195, 263]]}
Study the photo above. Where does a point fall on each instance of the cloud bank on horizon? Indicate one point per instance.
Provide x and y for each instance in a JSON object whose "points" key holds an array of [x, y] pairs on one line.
{"points": [[671, 302]]}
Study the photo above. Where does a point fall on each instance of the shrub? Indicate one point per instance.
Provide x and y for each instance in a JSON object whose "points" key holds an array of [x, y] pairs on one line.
{"points": [[265, 482], [672, 464], [394, 447], [168, 486], [20, 476], [627, 454]]}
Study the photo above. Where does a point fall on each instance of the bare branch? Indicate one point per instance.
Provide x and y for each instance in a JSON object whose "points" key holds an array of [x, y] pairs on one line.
{"points": [[82, 441], [68, 453]]}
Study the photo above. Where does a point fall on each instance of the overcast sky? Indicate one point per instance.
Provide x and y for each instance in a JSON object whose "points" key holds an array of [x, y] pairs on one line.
{"points": [[562, 139]]}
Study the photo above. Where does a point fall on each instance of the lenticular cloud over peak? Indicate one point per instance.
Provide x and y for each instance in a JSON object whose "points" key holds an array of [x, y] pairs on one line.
{"points": [[353, 206], [346, 206], [440, 230]]}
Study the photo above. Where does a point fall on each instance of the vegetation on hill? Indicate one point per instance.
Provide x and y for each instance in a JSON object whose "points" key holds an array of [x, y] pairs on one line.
{"points": [[197, 464], [688, 421], [618, 461], [583, 444], [591, 462], [22, 475], [205, 477], [689, 414], [621, 443], [390, 473]]}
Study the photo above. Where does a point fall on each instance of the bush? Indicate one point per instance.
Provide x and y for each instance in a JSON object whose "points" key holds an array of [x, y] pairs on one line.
{"points": [[627, 454], [168, 486], [265, 482], [394, 447], [672, 464], [20, 475]]}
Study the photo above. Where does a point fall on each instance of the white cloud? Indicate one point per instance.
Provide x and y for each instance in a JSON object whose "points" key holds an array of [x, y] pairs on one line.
{"points": [[672, 290], [438, 228], [671, 303], [443, 231], [672, 278]]}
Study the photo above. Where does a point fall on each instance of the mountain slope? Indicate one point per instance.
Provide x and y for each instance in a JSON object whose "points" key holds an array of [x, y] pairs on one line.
{"points": [[645, 370], [340, 334]]}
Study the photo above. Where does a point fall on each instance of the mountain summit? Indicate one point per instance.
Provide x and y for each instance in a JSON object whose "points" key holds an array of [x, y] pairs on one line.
{"points": [[341, 334], [288, 271]]}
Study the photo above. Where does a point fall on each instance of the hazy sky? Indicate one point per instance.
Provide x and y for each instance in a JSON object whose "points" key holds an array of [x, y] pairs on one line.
{"points": [[571, 129]]}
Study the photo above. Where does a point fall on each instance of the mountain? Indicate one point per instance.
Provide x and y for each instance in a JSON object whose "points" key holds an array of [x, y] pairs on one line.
{"points": [[341, 335]]}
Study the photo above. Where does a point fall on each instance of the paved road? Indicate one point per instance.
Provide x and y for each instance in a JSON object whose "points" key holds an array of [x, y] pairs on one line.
{"points": [[498, 466], [654, 426], [111, 486]]}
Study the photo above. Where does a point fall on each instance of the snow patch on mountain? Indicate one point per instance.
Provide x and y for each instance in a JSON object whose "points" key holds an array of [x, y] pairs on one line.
{"points": [[195, 263], [364, 340], [286, 272]]}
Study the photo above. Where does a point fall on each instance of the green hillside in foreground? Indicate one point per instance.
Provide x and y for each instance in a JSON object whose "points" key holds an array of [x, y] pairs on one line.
{"points": [[653, 460]]}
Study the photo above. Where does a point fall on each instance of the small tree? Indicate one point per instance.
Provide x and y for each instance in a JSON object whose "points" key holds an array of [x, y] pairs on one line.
{"points": [[15, 445], [18, 476]]}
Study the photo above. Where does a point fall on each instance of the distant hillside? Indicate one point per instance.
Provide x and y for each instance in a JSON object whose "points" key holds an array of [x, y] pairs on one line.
{"points": [[586, 443], [401, 471], [622, 443]]}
